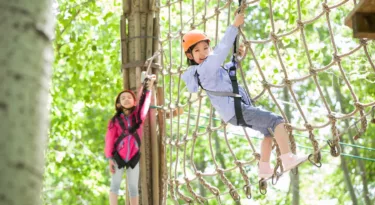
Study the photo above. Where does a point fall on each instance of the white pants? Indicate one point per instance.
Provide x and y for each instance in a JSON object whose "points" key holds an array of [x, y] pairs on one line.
{"points": [[133, 178]]}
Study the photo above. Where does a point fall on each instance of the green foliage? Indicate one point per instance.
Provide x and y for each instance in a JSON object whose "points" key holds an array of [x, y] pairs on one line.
{"points": [[87, 78]]}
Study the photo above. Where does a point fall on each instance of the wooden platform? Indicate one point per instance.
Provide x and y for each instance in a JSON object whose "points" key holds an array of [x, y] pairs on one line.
{"points": [[362, 19]]}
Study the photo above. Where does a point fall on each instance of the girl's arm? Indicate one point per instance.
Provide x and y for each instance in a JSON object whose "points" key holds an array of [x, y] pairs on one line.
{"points": [[221, 51], [145, 98], [146, 104], [214, 61], [110, 139]]}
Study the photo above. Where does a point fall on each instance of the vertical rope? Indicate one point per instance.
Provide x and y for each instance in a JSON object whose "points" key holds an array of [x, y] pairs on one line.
{"points": [[175, 141]]}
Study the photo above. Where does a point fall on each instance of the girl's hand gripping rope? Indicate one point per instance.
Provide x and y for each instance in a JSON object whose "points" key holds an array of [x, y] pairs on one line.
{"points": [[239, 19], [149, 81]]}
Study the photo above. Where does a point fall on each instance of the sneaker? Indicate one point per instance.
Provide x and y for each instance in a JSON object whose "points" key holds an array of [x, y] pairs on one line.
{"points": [[264, 170], [291, 160]]}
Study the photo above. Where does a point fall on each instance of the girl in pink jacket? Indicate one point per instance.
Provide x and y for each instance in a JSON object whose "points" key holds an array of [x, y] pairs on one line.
{"points": [[123, 139]]}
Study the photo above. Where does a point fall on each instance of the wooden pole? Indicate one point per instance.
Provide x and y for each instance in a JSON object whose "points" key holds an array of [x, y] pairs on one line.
{"points": [[124, 56], [138, 43]]}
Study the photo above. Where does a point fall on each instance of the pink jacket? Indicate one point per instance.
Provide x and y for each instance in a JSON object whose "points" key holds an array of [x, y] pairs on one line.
{"points": [[129, 147]]}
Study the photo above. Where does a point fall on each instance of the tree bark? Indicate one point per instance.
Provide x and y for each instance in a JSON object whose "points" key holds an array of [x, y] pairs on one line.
{"points": [[349, 185], [294, 178], [26, 56], [139, 41], [344, 165], [361, 166]]}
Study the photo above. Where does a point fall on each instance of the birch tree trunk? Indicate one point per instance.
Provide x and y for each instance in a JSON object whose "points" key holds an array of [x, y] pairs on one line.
{"points": [[26, 29]]}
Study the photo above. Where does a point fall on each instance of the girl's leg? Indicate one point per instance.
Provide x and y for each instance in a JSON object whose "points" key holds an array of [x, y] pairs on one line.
{"points": [[113, 198], [115, 185], [282, 138], [261, 120], [133, 178], [289, 159], [266, 148], [264, 167], [134, 200]]}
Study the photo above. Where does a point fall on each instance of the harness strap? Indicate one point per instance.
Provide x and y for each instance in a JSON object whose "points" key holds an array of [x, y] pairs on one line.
{"points": [[135, 134], [123, 134], [237, 101], [233, 77], [235, 94], [217, 93]]}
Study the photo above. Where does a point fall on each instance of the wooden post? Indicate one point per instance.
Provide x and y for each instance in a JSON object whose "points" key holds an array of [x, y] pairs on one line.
{"points": [[138, 43], [362, 19]]}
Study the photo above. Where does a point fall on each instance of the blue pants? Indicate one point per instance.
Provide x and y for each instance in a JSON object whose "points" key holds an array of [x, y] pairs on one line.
{"points": [[133, 177], [258, 119]]}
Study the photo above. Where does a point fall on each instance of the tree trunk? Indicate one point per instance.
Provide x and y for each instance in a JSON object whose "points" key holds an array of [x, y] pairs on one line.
{"points": [[294, 178], [361, 166], [139, 41], [25, 71], [363, 174], [344, 165], [349, 185]]}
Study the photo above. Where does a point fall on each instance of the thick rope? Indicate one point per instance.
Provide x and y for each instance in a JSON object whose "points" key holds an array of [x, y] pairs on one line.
{"points": [[177, 137]]}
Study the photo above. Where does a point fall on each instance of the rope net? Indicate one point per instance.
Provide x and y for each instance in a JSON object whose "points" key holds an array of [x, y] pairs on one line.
{"points": [[298, 63]]}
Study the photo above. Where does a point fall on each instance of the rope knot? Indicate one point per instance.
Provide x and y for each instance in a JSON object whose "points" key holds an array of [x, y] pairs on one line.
{"points": [[186, 179], [332, 118], [287, 82], [288, 127], [209, 129], [363, 42], [247, 43], [242, 7], [217, 10], [326, 8], [313, 71], [176, 144], [266, 85], [274, 37], [257, 156], [300, 24], [309, 127], [204, 19], [238, 163], [234, 194], [358, 105], [194, 135], [336, 58], [198, 174], [220, 171]]}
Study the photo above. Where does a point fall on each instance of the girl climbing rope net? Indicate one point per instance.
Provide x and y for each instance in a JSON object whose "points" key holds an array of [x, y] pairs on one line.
{"points": [[231, 100]]}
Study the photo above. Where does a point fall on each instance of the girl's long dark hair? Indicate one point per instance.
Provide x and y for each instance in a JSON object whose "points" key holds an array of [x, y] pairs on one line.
{"points": [[119, 110]]}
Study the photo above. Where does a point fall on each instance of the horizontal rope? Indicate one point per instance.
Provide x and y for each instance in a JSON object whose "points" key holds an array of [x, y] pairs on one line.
{"points": [[345, 144]]}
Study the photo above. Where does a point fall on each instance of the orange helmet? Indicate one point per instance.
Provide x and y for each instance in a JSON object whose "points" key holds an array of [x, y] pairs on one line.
{"points": [[192, 37]]}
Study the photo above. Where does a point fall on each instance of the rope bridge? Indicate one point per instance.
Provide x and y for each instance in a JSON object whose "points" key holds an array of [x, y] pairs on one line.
{"points": [[195, 172]]}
